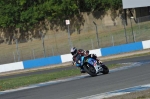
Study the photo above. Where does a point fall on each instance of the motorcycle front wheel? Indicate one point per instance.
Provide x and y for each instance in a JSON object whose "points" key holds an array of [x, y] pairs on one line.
{"points": [[90, 70]]}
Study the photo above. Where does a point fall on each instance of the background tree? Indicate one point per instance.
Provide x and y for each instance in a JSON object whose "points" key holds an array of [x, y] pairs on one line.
{"points": [[26, 15]]}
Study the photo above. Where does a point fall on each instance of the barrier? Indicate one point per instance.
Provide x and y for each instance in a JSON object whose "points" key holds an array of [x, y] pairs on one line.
{"points": [[42, 62], [11, 67], [121, 49], [97, 52], [68, 57], [146, 44]]}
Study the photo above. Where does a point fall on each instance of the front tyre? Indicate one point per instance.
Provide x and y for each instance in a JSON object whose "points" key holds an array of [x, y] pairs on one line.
{"points": [[90, 69]]}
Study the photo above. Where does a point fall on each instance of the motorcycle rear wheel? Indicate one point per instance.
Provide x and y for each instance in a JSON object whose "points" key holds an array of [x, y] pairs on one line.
{"points": [[105, 69]]}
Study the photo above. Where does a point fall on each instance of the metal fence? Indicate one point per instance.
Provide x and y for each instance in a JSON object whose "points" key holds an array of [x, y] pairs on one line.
{"points": [[59, 43]]}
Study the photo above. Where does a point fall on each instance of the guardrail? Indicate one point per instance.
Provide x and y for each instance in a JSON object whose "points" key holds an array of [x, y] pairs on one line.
{"points": [[68, 57]]}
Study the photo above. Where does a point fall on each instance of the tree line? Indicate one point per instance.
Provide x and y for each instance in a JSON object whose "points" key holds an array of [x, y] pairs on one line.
{"points": [[27, 14]]}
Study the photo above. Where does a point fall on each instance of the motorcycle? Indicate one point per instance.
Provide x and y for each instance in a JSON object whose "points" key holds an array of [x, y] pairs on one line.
{"points": [[93, 67]]}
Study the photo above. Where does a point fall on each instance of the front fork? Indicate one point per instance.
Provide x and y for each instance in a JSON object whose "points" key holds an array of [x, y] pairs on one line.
{"points": [[98, 68]]}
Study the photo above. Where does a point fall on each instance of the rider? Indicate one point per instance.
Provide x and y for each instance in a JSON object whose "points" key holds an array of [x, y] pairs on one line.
{"points": [[77, 54], [92, 56]]}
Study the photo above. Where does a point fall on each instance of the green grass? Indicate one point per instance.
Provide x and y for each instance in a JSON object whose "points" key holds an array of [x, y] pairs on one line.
{"points": [[132, 56], [112, 66], [134, 95], [17, 82]]}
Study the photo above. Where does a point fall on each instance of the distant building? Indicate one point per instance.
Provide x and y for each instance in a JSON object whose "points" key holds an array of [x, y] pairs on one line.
{"points": [[136, 9]]}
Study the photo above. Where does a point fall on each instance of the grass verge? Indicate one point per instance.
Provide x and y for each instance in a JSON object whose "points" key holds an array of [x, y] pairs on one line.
{"points": [[17, 82], [135, 95], [12, 83], [130, 56]]}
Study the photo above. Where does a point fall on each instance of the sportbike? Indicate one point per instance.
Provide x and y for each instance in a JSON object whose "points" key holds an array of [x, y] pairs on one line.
{"points": [[93, 67]]}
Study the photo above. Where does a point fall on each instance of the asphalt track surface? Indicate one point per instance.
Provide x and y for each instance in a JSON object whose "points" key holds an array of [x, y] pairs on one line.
{"points": [[88, 86], [135, 59]]}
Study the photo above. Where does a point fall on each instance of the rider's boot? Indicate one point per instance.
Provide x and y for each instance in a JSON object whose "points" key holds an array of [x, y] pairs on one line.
{"points": [[82, 70]]}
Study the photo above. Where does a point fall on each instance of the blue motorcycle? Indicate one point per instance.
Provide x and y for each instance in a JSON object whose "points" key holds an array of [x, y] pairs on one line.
{"points": [[92, 67]]}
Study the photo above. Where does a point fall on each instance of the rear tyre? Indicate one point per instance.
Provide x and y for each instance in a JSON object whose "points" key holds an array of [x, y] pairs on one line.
{"points": [[105, 69]]}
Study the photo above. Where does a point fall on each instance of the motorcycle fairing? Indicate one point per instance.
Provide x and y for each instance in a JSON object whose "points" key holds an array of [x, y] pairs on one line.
{"points": [[93, 62]]}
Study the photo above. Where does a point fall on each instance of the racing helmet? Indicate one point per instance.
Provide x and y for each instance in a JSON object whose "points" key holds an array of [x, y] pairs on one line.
{"points": [[87, 51], [73, 50]]}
